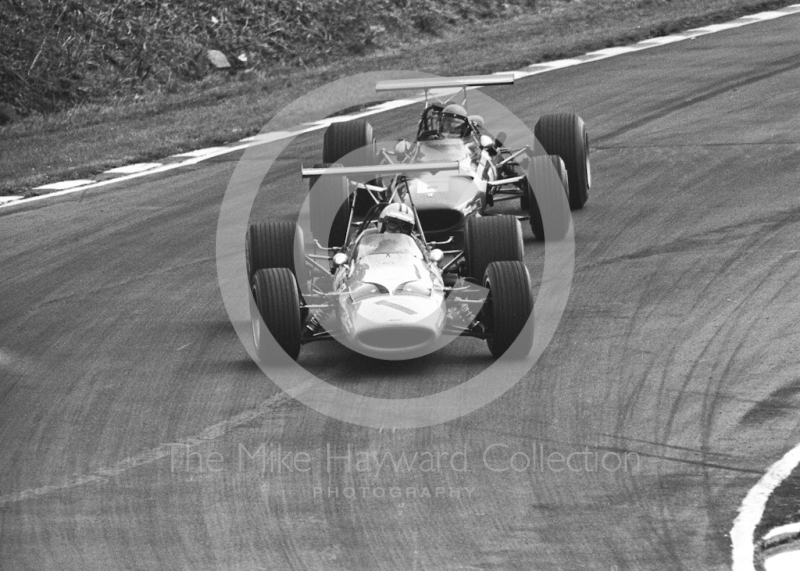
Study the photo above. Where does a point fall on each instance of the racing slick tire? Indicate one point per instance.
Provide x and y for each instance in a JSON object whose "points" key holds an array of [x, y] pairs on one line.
{"points": [[351, 143], [278, 302], [564, 134], [274, 245], [330, 208], [507, 308], [548, 194], [491, 239]]}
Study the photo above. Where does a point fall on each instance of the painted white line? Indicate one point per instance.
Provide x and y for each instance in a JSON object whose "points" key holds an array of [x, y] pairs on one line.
{"points": [[164, 168], [396, 104], [64, 184], [198, 152], [535, 69], [4, 199], [662, 41], [762, 16], [266, 137], [379, 108], [786, 561], [611, 52], [559, 64], [714, 28], [752, 510], [134, 168], [784, 529]]}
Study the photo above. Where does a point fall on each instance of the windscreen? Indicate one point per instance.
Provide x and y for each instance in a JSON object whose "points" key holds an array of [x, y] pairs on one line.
{"points": [[388, 244]]}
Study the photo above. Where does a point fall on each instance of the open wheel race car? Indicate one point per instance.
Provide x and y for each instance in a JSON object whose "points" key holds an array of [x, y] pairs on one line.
{"points": [[398, 295], [489, 172]]}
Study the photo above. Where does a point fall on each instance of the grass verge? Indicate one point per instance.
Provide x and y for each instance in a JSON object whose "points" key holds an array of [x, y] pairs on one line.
{"points": [[89, 139]]}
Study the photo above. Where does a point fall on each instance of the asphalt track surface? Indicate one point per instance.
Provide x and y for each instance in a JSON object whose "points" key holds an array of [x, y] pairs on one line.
{"points": [[679, 344]]}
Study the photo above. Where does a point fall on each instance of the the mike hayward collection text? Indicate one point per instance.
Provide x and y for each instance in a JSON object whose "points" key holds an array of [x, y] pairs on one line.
{"points": [[495, 457]]}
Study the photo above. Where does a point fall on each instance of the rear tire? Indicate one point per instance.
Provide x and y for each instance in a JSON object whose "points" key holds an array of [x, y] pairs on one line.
{"points": [[278, 301], [548, 197], [330, 209], [564, 134], [491, 239], [508, 306], [273, 245]]}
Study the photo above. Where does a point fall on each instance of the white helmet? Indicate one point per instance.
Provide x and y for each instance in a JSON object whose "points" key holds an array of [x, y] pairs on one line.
{"points": [[454, 122], [397, 218]]}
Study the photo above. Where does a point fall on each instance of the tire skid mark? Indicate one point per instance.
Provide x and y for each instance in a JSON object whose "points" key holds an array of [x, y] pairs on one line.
{"points": [[715, 236], [711, 393], [655, 444], [674, 146], [782, 66], [699, 299], [635, 324], [719, 330], [103, 475], [711, 399], [729, 331], [341, 514], [779, 400], [793, 389]]}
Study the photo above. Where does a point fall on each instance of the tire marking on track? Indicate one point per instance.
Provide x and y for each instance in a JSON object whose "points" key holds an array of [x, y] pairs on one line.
{"points": [[752, 510], [164, 450], [203, 154]]}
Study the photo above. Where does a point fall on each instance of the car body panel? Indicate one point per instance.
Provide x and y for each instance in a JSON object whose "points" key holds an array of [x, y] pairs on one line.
{"points": [[391, 298]]}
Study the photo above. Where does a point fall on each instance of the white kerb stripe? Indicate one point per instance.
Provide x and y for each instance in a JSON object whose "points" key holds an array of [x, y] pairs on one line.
{"points": [[752, 509]]}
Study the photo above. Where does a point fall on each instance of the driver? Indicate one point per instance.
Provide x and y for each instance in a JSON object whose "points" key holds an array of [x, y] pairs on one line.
{"points": [[453, 124], [397, 218]]}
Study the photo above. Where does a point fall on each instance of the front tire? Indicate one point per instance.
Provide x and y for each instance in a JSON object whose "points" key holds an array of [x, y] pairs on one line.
{"points": [[548, 197], [564, 134], [350, 143], [507, 308], [278, 303]]}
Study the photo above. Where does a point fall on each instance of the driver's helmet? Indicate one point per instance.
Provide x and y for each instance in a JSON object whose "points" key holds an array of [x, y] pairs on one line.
{"points": [[454, 122], [397, 218]]}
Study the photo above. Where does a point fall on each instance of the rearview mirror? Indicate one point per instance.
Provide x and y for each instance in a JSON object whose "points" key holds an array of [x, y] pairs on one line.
{"points": [[487, 142], [402, 148], [339, 259], [437, 255]]}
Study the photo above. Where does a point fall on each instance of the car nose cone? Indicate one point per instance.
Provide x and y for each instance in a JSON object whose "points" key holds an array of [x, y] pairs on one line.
{"points": [[398, 324]]}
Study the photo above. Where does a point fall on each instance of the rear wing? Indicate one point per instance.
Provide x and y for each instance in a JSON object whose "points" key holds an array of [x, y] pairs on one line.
{"points": [[430, 83], [427, 83], [398, 168]]}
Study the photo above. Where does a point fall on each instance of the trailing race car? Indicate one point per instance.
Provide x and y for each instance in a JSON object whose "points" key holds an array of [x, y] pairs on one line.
{"points": [[488, 171], [388, 292]]}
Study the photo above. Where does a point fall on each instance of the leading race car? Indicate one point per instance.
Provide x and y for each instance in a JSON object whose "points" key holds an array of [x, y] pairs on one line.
{"points": [[388, 292], [489, 172]]}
